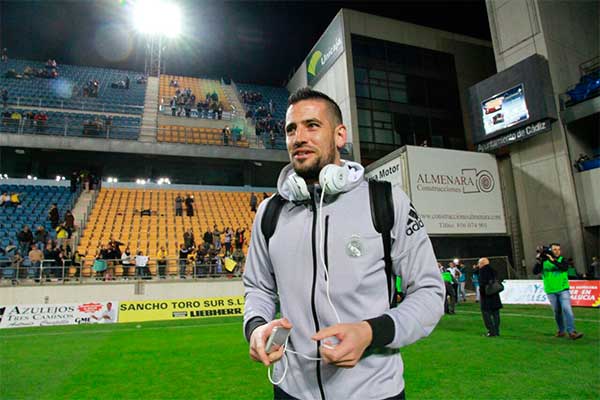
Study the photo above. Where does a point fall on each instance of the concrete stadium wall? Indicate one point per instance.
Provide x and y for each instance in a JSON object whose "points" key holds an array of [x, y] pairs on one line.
{"points": [[566, 33], [120, 291]]}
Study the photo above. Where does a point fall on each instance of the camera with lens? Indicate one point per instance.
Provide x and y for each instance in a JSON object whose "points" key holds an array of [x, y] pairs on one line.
{"points": [[543, 252]]}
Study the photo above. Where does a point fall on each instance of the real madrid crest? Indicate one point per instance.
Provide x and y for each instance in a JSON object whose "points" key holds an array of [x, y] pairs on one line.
{"points": [[355, 247]]}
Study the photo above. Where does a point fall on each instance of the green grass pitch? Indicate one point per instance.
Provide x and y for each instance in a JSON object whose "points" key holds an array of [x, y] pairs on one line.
{"points": [[208, 359]]}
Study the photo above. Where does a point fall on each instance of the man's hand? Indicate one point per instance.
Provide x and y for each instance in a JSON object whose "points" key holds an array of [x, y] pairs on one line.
{"points": [[354, 339], [550, 257], [259, 338]]}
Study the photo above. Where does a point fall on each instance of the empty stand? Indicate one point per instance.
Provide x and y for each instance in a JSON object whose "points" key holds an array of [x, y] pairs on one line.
{"points": [[197, 135]]}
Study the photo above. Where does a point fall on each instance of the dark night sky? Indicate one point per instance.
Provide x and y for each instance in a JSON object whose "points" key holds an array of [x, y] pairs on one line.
{"points": [[258, 42]]}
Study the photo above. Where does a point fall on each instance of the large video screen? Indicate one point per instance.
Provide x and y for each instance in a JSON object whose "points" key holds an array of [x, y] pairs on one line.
{"points": [[504, 110]]}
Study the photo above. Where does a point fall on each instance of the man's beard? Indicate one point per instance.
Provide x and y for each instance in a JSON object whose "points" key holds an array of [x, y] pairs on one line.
{"points": [[310, 172]]}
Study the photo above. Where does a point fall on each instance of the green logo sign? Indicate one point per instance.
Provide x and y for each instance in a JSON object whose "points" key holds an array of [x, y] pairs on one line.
{"points": [[326, 52]]}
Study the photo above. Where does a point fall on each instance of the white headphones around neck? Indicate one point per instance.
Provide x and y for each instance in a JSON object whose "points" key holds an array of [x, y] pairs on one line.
{"points": [[332, 178]]}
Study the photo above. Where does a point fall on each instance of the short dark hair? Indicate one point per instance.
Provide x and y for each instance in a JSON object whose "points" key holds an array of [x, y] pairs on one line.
{"points": [[555, 244], [307, 93]]}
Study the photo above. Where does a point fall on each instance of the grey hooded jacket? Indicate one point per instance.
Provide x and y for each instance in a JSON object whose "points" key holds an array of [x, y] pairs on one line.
{"points": [[290, 270]]}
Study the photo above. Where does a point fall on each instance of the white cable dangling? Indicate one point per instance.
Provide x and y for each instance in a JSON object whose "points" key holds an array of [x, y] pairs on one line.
{"points": [[285, 360], [322, 258]]}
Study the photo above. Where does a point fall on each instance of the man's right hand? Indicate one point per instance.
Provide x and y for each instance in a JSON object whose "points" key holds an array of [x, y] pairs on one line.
{"points": [[259, 338]]}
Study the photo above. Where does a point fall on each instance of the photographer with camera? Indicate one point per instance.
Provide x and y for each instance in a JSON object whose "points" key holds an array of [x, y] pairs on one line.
{"points": [[553, 268]]}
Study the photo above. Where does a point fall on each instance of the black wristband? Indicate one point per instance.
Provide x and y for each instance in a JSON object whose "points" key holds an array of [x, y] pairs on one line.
{"points": [[383, 329], [251, 325]]}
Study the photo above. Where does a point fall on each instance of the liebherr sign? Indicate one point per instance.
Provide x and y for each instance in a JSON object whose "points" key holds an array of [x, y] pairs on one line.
{"points": [[456, 192]]}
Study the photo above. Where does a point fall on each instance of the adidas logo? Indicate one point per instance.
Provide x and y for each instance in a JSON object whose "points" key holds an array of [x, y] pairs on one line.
{"points": [[414, 222]]}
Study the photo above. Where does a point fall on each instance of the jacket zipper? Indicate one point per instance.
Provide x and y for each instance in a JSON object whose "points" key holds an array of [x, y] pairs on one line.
{"points": [[325, 255], [312, 296]]}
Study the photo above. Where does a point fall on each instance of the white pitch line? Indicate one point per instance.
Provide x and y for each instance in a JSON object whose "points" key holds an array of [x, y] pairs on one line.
{"points": [[502, 314], [151, 328]]}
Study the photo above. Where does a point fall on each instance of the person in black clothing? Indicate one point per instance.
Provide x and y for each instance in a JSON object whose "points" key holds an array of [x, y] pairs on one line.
{"points": [[74, 178], [183, 255], [208, 238], [189, 205], [239, 238], [490, 303], [178, 206], [53, 216]]}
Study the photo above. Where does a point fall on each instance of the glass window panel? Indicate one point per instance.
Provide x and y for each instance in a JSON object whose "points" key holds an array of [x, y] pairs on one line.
{"points": [[398, 95], [364, 117], [362, 90], [360, 75], [384, 136], [382, 116], [393, 76], [374, 73], [365, 134], [378, 92]]}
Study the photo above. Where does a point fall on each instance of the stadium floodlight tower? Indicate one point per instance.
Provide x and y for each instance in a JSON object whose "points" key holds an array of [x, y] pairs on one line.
{"points": [[157, 20]]}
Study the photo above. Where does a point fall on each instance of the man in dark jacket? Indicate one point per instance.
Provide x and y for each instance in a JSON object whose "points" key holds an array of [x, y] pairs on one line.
{"points": [[25, 238], [490, 303], [178, 206], [53, 216], [189, 205]]}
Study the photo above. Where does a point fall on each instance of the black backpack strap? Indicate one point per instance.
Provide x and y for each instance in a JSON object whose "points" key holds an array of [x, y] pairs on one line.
{"points": [[270, 217], [382, 214]]}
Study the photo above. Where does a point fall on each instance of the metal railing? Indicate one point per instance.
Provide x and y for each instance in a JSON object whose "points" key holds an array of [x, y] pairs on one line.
{"points": [[69, 128], [81, 105], [90, 270], [165, 108]]}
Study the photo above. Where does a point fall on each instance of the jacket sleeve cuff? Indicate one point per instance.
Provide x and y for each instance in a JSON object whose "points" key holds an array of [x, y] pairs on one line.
{"points": [[251, 325], [383, 329]]}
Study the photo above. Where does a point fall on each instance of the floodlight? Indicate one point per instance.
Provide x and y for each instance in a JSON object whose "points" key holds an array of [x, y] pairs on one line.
{"points": [[158, 17]]}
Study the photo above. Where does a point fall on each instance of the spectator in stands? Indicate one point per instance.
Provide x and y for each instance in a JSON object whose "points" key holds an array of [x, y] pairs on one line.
{"points": [[226, 135], [116, 245], [25, 239], [207, 238], [173, 104], [74, 180], [69, 223], [127, 82], [188, 239], [253, 202], [173, 83], [490, 302], [141, 265], [4, 98], [239, 238], [41, 121], [554, 269], [216, 237], [227, 241], [41, 237], [15, 199], [189, 205], [53, 216], [50, 255], [178, 206], [15, 118], [16, 262], [183, 256], [239, 258], [62, 233], [220, 110], [126, 262], [36, 256], [161, 258], [4, 56], [4, 200], [141, 80]]}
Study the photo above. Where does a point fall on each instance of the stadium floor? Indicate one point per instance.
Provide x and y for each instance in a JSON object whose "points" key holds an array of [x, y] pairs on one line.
{"points": [[208, 359]]}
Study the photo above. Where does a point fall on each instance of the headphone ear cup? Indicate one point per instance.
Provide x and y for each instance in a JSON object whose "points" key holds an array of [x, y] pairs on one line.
{"points": [[297, 188], [333, 179]]}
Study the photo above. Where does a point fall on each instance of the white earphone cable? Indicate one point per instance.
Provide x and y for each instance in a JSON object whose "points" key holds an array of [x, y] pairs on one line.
{"points": [[337, 317]]}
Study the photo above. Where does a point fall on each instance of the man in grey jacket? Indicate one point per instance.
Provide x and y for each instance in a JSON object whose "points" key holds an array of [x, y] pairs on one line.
{"points": [[324, 264]]}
